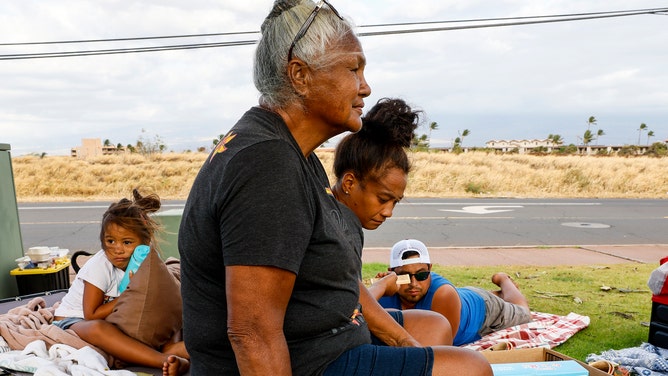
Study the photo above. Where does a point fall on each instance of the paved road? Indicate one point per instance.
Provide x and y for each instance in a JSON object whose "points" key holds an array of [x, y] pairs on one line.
{"points": [[72, 225], [438, 222], [526, 222]]}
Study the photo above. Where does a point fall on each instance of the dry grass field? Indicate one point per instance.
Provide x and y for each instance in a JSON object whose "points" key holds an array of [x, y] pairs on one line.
{"points": [[435, 174]]}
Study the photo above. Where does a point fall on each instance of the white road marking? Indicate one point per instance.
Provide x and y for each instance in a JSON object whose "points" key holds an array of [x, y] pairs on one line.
{"points": [[61, 223], [483, 209], [503, 203], [83, 207], [444, 217]]}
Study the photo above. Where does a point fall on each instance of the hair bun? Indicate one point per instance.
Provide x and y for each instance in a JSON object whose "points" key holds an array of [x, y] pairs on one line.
{"points": [[149, 203], [392, 121]]}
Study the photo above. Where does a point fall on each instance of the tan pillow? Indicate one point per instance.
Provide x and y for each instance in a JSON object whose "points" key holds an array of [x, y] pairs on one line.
{"points": [[150, 309], [174, 267]]}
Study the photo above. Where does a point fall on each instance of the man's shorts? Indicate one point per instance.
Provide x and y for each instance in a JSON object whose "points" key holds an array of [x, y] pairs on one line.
{"points": [[499, 313]]}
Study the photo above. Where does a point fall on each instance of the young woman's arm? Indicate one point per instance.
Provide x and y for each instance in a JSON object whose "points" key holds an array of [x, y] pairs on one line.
{"points": [[385, 286], [381, 324]]}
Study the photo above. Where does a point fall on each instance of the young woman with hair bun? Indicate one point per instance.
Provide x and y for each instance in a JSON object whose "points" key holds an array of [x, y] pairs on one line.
{"points": [[371, 169]]}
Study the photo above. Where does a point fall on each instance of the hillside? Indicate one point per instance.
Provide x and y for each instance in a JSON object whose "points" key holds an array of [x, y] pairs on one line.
{"points": [[435, 174]]}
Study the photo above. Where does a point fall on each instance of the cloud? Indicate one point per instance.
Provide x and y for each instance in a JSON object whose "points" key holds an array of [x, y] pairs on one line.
{"points": [[507, 82]]}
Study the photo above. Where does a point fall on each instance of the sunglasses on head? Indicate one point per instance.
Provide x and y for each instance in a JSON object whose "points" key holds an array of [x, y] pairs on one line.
{"points": [[419, 276], [308, 23]]}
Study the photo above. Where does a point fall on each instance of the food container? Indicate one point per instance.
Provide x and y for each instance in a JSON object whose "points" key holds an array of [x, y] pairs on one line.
{"points": [[59, 253], [39, 254], [22, 262]]}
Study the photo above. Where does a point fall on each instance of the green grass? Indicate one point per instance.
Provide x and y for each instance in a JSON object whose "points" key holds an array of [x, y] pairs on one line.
{"points": [[615, 297]]}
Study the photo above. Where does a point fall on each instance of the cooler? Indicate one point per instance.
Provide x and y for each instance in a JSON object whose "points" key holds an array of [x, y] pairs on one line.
{"points": [[658, 326]]}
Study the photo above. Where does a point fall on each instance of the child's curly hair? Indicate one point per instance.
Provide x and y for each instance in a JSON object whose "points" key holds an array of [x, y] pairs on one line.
{"points": [[133, 215]]}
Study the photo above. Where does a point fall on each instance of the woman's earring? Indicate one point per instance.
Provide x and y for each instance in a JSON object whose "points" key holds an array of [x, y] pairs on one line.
{"points": [[347, 192]]}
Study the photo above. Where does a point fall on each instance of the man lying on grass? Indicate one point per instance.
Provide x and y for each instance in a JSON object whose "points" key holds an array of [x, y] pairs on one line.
{"points": [[473, 312]]}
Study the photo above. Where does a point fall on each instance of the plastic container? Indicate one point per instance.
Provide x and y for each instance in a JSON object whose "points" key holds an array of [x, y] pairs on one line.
{"points": [[137, 258], [657, 280], [54, 277], [39, 254]]}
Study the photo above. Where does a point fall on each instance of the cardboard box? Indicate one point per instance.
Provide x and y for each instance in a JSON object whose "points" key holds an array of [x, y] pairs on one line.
{"points": [[539, 354], [561, 368]]}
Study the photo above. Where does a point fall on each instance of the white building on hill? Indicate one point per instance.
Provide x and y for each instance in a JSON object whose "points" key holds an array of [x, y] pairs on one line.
{"points": [[522, 146]]}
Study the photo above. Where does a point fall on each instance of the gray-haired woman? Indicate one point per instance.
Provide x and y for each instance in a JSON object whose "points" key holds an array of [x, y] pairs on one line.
{"points": [[269, 277]]}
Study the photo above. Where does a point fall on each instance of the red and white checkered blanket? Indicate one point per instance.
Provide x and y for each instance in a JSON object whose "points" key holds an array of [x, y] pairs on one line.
{"points": [[546, 330]]}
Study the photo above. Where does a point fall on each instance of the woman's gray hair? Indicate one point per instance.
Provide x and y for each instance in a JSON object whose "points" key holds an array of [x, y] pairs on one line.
{"points": [[278, 31]]}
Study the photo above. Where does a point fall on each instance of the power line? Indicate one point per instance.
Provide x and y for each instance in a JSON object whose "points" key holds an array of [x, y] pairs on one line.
{"points": [[642, 11], [124, 50], [619, 12], [521, 21], [131, 38]]}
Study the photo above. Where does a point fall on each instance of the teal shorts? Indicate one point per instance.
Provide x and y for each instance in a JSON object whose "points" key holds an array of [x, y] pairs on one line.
{"points": [[67, 322]]}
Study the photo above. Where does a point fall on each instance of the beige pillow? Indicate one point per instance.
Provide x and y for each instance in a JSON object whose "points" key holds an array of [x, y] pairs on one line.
{"points": [[150, 309]]}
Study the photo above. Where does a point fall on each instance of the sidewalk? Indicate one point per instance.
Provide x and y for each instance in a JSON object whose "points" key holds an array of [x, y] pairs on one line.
{"points": [[538, 256]]}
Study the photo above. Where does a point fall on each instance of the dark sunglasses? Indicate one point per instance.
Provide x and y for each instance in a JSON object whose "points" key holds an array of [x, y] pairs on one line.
{"points": [[419, 276], [308, 23]]}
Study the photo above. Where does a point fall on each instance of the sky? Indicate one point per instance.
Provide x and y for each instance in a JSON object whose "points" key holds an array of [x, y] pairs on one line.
{"points": [[501, 83]]}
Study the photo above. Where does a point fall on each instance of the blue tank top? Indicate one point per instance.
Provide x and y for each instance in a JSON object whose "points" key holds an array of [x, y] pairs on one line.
{"points": [[472, 314]]}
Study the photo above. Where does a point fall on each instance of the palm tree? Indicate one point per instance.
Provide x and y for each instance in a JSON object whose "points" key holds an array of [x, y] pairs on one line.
{"points": [[649, 134], [457, 145], [587, 137], [432, 127], [591, 121], [556, 139], [423, 142], [464, 133], [643, 127], [599, 133]]}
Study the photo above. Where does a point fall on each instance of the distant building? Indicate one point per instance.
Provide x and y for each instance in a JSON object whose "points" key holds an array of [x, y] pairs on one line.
{"points": [[92, 147], [522, 146], [527, 146]]}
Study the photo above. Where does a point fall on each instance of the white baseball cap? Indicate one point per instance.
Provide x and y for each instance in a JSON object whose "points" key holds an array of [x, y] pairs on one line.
{"points": [[408, 245]]}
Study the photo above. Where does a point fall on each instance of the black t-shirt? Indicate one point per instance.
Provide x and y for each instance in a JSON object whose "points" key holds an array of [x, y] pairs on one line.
{"points": [[258, 201]]}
